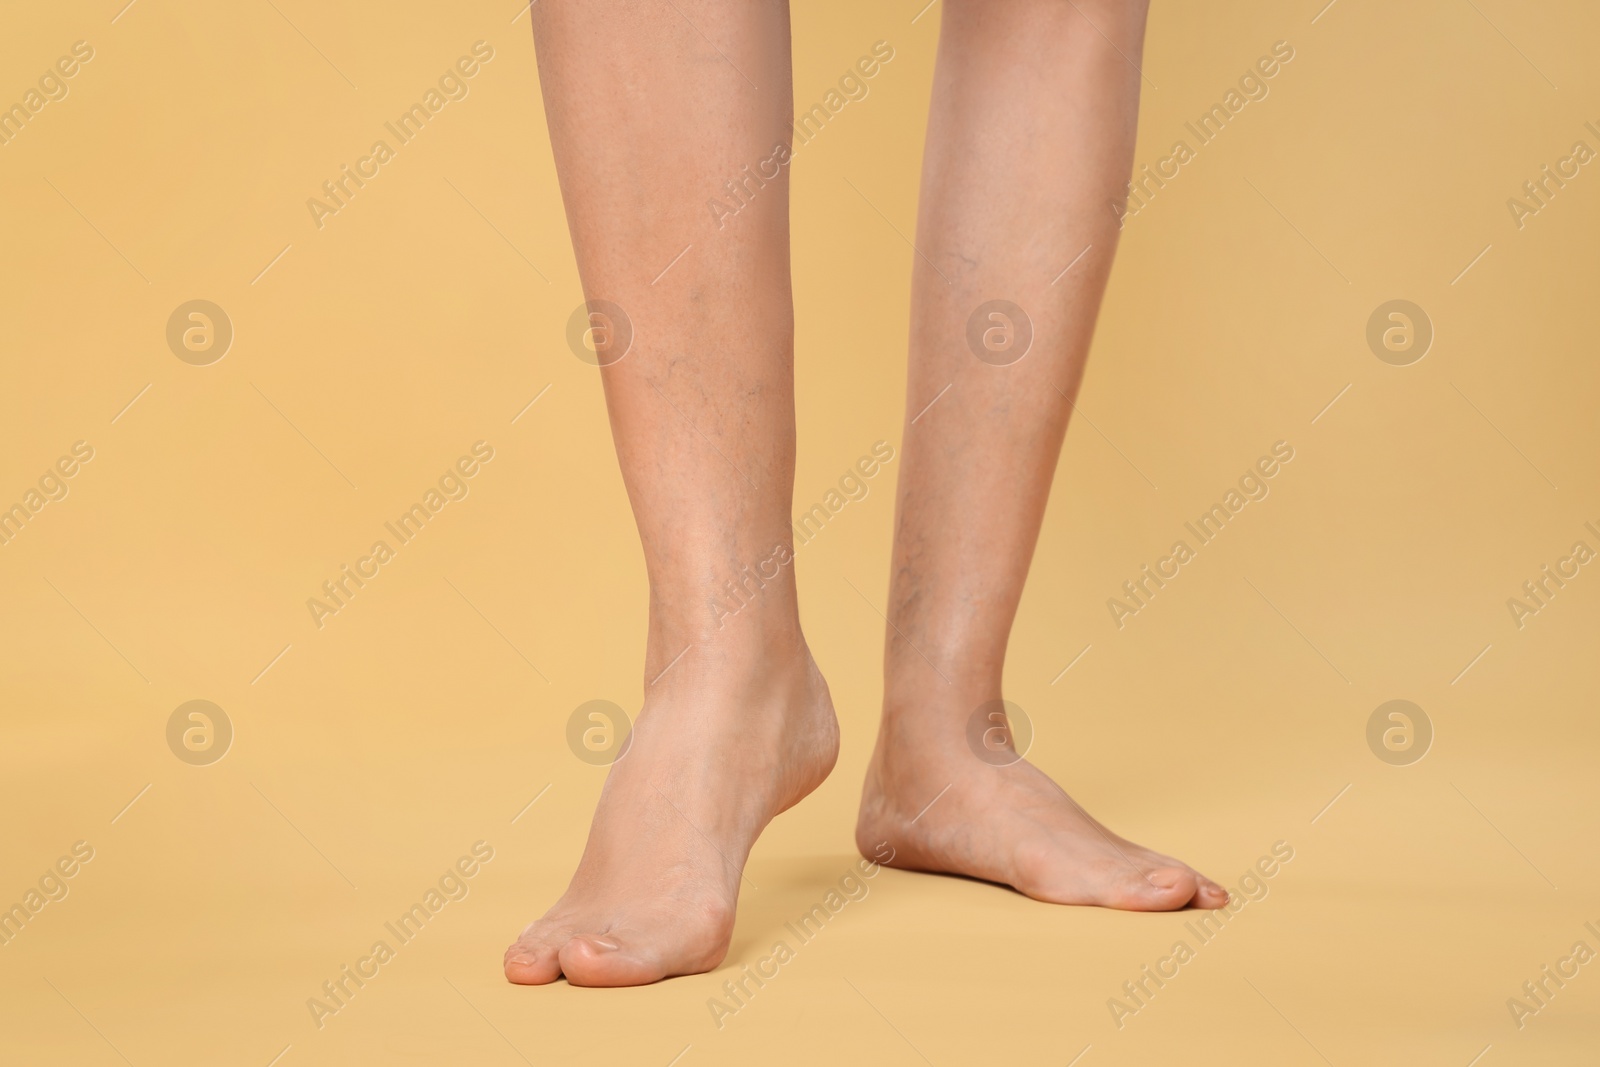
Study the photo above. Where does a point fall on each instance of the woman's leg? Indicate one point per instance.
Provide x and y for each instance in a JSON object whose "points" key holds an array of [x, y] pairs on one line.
{"points": [[1030, 140], [650, 112]]}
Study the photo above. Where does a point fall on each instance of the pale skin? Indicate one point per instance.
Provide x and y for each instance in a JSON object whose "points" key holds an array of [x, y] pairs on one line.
{"points": [[1030, 139]]}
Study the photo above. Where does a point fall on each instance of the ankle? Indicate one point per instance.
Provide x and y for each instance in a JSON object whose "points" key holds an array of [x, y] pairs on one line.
{"points": [[764, 631], [925, 715], [938, 663], [771, 652], [917, 690]]}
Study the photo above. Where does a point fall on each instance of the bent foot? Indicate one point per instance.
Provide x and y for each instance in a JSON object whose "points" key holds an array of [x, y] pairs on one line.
{"points": [[719, 749], [940, 808]]}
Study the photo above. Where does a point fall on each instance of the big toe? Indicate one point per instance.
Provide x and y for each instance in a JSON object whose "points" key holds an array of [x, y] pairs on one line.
{"points": [[607, 960]]}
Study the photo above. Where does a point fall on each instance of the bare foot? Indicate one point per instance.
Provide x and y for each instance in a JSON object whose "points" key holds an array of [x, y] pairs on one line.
{"points": [[727, 740], [941, 808]]}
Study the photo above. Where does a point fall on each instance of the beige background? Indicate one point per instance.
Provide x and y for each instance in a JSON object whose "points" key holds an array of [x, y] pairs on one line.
{"points": [[430, 311]]}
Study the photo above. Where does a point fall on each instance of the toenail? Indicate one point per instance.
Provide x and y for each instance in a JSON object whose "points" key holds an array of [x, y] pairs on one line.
{"points": [[525, 961], [598, 942]]}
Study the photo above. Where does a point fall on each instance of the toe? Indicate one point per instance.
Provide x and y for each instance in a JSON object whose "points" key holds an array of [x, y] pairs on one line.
{"points": [[533, 958], [1157, 889], [1210, 894], [606, 960], [532, 965]]}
